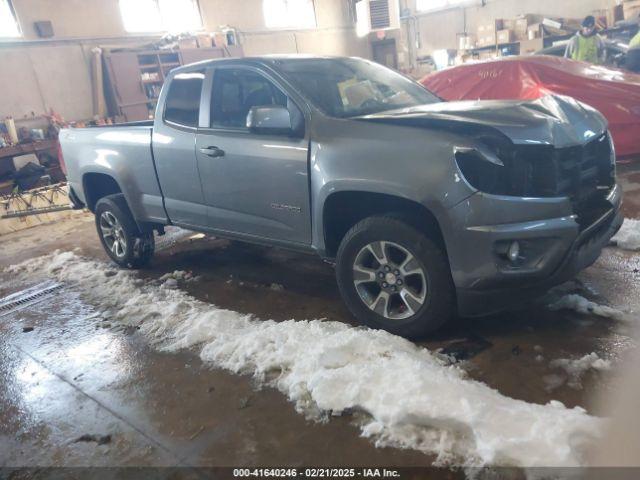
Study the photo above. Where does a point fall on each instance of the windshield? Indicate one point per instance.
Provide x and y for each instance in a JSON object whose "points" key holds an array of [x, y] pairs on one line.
{"points": [[350, 87]]}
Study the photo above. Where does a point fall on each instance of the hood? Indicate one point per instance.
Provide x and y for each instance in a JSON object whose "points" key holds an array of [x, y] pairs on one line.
{"points": [[551, 120]]}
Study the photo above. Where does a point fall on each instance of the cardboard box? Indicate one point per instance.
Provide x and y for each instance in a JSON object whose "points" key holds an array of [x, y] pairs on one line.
{"points": [[522, 26], [555, 26], [204, 40], [534, 31], [573, 24], [529, 17], [528, 47], [552, 23], [219, 39], [188, 43], [504, 36], [487, 33], [490, 29], [508, 24], [486, 41]]}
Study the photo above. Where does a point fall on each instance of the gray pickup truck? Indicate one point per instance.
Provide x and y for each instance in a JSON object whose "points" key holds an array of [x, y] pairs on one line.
{"points": [[427, 208]]}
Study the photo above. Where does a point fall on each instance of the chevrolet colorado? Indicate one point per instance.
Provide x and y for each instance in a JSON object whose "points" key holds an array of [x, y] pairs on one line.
{"points": [[427, 208]]}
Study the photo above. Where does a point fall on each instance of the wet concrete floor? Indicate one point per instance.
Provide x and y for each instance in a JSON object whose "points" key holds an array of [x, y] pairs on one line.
{"points": [[78, 391]]}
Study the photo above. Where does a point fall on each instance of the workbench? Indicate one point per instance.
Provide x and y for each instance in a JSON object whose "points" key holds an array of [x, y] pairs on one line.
{"points": [[7, 154], [24, 148]]}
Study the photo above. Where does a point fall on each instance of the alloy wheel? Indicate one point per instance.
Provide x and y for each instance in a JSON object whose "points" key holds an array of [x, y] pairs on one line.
{"points": [[390, 280], [113, 234]]}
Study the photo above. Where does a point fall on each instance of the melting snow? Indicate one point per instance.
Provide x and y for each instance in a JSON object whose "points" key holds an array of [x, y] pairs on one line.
{"points": [[575, 369], [581, 305], [628, 238], [412, 397], [170, 280]]}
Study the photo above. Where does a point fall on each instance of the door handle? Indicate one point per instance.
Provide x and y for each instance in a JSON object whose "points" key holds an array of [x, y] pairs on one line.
{"points": [[212, 151]]}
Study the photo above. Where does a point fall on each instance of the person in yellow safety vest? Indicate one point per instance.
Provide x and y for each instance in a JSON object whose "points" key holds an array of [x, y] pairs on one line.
{"points": [[633, 56], [587, 45]]}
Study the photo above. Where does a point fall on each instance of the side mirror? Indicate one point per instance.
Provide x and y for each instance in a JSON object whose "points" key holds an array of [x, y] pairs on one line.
{"points": [[274, 119]]}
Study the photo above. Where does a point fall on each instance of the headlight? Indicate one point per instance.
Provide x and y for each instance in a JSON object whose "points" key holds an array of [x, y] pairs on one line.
{"points": [[482, 169], [492, 165]]}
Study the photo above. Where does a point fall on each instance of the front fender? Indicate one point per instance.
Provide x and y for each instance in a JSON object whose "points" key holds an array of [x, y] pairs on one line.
{"points": [[410, 163]]}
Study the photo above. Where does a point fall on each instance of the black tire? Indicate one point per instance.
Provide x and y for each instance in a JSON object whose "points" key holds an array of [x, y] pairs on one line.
{"points": [[439, 302], [137, 249]]}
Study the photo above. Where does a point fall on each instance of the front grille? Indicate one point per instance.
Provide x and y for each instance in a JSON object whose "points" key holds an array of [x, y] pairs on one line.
{"points": [[577, 172], [582, 169], [584, 173]]}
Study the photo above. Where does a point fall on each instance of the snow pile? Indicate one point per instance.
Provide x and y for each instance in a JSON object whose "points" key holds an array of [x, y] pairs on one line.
{"points": [[628, 238], [581, 305], [170, 280], [411, 397], [575, 369], [176, 275]]}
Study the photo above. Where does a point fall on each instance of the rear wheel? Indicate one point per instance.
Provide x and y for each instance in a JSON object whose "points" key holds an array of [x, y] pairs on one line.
{"points": [[121, 238], [395, 278]]}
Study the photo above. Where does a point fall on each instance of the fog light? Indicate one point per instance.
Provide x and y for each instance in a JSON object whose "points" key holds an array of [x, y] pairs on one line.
{"points": [[514, 252]]}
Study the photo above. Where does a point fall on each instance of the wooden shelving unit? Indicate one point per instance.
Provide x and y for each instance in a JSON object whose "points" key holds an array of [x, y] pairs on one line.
{"points": [[134, 78]]}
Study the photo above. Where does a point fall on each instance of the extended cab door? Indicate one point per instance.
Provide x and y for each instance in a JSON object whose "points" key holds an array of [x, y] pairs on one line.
{"points": [[253, 184], [174, 139]]}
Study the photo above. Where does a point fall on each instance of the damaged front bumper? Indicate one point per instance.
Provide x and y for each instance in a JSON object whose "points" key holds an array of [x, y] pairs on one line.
{"points": [[552, 249]]}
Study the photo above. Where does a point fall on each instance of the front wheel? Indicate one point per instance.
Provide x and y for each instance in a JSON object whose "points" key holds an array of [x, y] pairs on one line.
{"points": [[394, 278], [120, 235]]}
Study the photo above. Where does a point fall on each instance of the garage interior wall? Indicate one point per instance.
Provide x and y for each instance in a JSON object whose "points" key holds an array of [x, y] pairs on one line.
{"points": [[38, 75], [41, 74], [439, 30]]}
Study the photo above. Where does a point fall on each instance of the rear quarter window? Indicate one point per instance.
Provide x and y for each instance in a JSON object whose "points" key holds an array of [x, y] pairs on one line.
{"points": [[182, 105]]}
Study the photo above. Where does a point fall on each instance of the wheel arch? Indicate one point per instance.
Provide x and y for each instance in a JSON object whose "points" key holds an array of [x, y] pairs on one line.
{"points": [[98, 185], [343, 209]]}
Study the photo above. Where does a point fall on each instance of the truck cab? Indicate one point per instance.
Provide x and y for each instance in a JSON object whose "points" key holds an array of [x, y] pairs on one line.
{"points": [[249, 180]]}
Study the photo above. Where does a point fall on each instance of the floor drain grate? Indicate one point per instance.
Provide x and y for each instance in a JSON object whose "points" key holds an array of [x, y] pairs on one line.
{"points": [[30, 296]]}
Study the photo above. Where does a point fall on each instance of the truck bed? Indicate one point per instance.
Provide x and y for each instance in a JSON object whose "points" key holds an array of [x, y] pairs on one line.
{"points": [[119, 151]]}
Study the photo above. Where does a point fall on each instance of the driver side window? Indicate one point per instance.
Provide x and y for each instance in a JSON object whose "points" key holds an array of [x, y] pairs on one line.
{"points": [[236, 91]]}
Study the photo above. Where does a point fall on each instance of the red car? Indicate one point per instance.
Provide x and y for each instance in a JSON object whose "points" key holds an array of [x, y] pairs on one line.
{"points": [[615, 93]]}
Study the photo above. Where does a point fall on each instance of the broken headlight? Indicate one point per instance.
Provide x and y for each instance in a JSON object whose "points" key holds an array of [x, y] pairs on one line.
{"points": [[494, 165], [486, 165], [481, 171]]}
